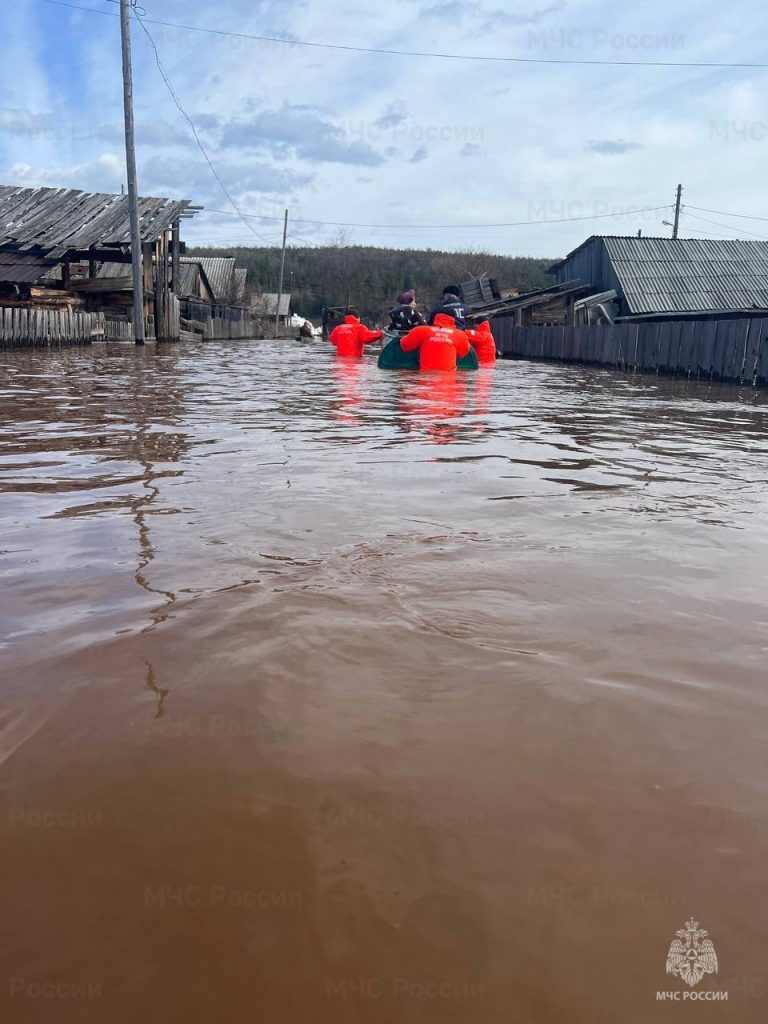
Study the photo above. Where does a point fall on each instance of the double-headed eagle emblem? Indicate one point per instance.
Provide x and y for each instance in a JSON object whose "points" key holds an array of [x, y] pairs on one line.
{"points": [[692, 954]]}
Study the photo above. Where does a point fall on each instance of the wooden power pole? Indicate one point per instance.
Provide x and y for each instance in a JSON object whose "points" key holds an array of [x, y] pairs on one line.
{"points": [[130, 163], [282, 272], [676, 225]]}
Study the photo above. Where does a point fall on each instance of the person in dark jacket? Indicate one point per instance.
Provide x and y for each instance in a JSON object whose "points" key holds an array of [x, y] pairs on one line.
{"points": [[404, 316], [451, 305]]}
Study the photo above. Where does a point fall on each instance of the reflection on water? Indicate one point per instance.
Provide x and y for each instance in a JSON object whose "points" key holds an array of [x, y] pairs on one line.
{"points": [[332, 694]]}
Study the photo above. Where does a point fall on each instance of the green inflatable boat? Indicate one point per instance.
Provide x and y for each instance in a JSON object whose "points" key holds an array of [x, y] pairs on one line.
{"points": [[392, 356]]}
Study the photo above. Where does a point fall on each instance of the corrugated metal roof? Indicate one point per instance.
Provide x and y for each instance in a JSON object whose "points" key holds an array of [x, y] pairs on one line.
{"points": [[188, 271], [680, 274], [57, 220], [22, 268], [267, 303], [220, 272]]}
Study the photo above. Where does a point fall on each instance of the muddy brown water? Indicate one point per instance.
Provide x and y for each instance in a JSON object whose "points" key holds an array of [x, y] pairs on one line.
{"points": [[338, 695]]}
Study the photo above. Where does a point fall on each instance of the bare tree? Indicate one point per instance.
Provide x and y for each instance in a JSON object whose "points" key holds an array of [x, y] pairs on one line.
{"points": [[340, 259]]}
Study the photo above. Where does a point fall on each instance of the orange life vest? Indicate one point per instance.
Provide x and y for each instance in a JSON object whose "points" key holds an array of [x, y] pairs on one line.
{"points": [[483, 342], [439, 346], [351, 337]]}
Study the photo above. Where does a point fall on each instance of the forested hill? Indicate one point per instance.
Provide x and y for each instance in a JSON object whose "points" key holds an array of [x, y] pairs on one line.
{"points": [[370, 279]]}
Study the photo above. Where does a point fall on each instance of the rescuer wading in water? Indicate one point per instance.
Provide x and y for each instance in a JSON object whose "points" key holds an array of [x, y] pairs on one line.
{"points": [[483, 342], [439, 346], [351, 337]]}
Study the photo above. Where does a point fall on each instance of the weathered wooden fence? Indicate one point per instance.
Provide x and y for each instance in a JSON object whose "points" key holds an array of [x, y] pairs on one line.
{"points": [[118, 330], [221, 321], [727, 350], [24, 328], [243, 328]]}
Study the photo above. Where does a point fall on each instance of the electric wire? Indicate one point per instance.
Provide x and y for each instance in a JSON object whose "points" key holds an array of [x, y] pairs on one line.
{"points": [[722, 213], [507, 224], [728, 227], [425, 53], [191, 124]]}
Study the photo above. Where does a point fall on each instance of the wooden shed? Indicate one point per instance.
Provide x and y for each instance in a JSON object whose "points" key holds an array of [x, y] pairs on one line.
{"points": [[82, 231]]}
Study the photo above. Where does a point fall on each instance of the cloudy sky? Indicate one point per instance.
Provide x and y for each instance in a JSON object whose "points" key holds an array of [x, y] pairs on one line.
{"points": [[416, 144]]}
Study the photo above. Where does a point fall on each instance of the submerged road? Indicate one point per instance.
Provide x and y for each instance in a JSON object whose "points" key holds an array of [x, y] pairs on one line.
{"points": [[332, 695]]}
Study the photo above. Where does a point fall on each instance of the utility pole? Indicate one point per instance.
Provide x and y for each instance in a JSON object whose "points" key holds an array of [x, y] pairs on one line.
{"points": [[130, 163], [676, 225], [282, 272]]}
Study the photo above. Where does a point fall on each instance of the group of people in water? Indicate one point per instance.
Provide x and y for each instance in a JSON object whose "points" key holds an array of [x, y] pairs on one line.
{"points": [[440, 339]]}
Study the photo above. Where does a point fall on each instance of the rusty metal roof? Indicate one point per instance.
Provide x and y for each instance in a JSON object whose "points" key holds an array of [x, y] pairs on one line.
{"points": [[56, 221], [682, 274], [22, 268]]}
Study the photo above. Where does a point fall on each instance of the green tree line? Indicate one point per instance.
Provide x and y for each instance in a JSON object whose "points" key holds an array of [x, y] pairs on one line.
{"points": [[370, 278]]}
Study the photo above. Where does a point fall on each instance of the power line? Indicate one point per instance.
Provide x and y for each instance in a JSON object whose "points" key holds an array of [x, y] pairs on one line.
{"points": [[722, 213], [710, 234], [181, 109], [422, 53], [509, 224], [728, 227]]}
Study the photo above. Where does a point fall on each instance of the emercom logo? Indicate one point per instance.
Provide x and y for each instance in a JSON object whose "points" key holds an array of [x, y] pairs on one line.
{"points": [[691, 956]]}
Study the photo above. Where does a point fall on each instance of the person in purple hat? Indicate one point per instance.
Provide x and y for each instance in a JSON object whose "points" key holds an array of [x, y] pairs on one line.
{"points": [[404, 316]]}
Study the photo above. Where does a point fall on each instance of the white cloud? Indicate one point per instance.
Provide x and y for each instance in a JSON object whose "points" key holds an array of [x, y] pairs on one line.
{"points": [[345, 136]]}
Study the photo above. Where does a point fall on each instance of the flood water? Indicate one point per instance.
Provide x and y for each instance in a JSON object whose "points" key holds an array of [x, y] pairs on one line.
{"points": [[338, 695]]}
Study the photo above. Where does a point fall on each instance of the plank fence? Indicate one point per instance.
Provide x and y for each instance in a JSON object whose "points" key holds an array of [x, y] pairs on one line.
{"points": [[244, 328], [38, 328], [716, 350], [221, 322], [118, 330]]}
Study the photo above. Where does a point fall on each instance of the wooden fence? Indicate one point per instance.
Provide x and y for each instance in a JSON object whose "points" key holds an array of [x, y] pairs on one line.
{"points": [[219, 321], [118, 330], [22, 328], [244, 328], [727, 350]]}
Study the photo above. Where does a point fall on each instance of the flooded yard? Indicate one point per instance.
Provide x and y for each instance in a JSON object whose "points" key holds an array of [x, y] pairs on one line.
{"points": [[337, 695]]}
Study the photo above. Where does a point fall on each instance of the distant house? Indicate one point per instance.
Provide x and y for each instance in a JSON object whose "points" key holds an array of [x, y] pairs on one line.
{"points": [[670, 275], [193, 280], [266, 305], [221, 275]]}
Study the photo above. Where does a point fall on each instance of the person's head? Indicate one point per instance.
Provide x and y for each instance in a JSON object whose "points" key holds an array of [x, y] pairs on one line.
{"points": [[444, 320], [484, 326], [351, 311], [451, 292], [407, 298]]}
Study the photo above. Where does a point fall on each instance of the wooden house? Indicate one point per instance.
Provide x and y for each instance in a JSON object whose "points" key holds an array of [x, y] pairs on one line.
{"points": [[670, 276], [265, 305]]}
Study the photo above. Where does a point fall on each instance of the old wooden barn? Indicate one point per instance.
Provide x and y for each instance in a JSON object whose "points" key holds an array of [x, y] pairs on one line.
{"points": [[65, 274]]}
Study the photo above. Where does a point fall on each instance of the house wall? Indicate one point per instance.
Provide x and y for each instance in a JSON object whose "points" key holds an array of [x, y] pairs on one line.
{"points": [[592, 265]]}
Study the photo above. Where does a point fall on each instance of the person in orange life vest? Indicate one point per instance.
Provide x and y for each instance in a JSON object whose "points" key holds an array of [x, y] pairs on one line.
{"points": [[438, 345], [483, 342], [351, 337]]}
